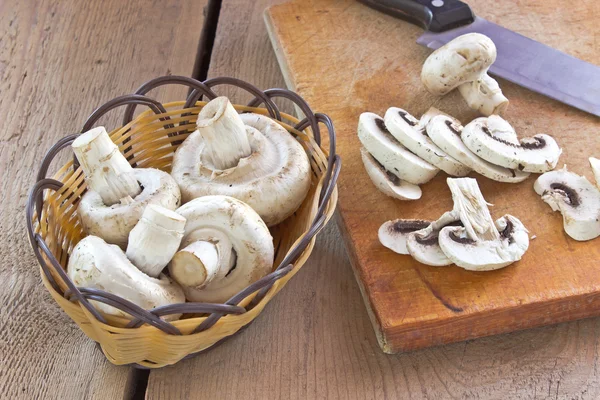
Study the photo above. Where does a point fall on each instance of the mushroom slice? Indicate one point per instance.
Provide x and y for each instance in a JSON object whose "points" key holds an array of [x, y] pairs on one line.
{"points": [[577, 200], [413, 136], [537, 154], [225, 248], [272, 176], [423, 245], [387, 182], [595, 164], [393, 234], [481, 244], [463, 63], [378, 141], [446, 133], [93, 263]]}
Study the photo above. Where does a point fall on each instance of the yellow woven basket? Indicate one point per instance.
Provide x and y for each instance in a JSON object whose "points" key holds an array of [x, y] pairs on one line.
{"points": [[150, 140]]}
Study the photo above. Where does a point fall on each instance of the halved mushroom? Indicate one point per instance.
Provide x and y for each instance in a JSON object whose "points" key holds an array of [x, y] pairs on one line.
{"points": [[388, 183], [595, 164], [480, 244], [250, 157], [537, 154], [394, 157], [226, 247], [446, 133], [93, 263], [463, 62], [423, 245], [394, 234], [407, 130], [117, 193], [577, 200]]}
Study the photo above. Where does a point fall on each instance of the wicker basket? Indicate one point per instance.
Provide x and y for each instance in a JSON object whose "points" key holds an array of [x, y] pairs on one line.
{"points": [[150, 140]]}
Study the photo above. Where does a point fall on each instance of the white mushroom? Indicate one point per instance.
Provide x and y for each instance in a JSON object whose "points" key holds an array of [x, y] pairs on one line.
{"points": [[226, 247], [155, 239], [407, 130], [595, 164], [117, 193], [537, 154], [480, 244], [463, 62], [394, 234], [93, 263], [250, 157], [392, 155], [423, 245], [446, 133], [387, 182], [577, 200]]}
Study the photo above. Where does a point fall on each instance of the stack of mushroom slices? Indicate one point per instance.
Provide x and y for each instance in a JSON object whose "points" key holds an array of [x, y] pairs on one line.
{"points": [[466, 236], [576, 198], [400, 152]]}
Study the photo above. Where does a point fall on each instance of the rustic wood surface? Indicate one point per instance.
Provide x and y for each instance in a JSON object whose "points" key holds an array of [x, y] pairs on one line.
{"points": [[414, 305], [314, 341], [58, 61]]}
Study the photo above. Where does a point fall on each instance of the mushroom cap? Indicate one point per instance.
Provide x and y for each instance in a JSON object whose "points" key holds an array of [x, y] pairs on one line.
{"points": [[423, 244], [393, 234], [210, 217], [93, 263], [463, 59], [113, 223], [387, 182], [446, 133], [537, 154], [485, 255], [274, 179], [577, 200], [406, 129], [394, 157]]}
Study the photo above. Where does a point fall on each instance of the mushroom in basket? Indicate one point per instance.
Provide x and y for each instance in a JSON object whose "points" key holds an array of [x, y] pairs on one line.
{"points": [[249, 157], [117, 193]]}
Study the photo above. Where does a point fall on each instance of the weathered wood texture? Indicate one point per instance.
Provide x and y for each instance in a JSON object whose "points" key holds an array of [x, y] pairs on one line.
{"points": [[315, 340], [58, 61], [346, 58]]}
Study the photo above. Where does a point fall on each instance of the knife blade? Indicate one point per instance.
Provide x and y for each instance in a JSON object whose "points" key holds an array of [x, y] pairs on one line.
{"points": [[520, 59]]}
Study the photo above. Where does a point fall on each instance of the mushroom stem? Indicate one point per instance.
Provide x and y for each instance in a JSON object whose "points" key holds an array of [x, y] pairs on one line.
{"points": [[484, 95], [224, 134], [155, 239], [106, 170], [197, 264]]}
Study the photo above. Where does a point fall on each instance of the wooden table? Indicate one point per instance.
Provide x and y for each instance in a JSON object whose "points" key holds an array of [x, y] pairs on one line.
{"points": [[59, 59]]}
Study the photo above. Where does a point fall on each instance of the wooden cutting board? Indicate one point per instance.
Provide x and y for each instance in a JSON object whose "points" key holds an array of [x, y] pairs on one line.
{"points": [[345, 58]]}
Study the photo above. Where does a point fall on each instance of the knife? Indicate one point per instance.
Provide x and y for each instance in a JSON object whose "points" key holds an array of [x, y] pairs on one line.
{"points": [[520, 60]]}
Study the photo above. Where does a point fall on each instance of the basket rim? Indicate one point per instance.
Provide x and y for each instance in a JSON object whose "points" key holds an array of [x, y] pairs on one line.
{"points": [[260, 288]]}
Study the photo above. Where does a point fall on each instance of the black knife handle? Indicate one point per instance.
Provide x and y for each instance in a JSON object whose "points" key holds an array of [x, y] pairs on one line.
{"points": [[432, 15]]}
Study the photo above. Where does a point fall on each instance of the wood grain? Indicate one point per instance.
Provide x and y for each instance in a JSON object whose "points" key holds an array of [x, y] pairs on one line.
{"points": [[58, 61], [413, 305], [315, 340]]}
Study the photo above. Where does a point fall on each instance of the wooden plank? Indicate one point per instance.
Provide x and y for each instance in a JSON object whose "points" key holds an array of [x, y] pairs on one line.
{"points": [[413, 305], [315, 341], [59, 60]]}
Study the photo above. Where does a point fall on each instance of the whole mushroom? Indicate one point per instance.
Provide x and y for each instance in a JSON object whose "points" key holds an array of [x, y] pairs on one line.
{"points": [[117, 193], [226, 247], [250, 157], [463, 63]]}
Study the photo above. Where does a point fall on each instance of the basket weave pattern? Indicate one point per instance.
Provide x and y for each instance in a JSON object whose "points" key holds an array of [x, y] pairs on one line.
{"points": [[150, 140]]}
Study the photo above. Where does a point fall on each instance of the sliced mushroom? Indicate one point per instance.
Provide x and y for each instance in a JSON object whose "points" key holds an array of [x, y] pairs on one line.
{"points": [[423, 245], [537, 154], [407, 130], [387, 182], [155, 239], [393, 234], [463, 63], [428, 116], [446, 133], [595, 164], [481, 244], [117, 193], [226, 247], [93, 263], [394, 157], [273, 177], [577, 200]]}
